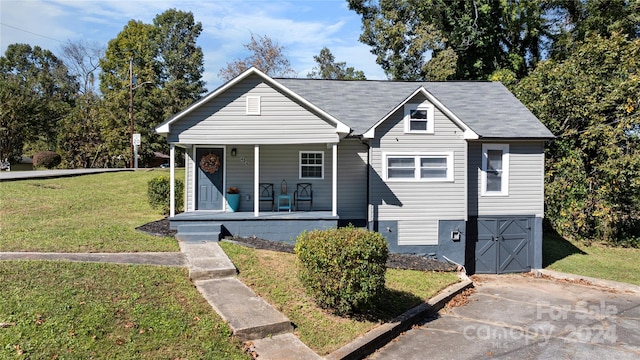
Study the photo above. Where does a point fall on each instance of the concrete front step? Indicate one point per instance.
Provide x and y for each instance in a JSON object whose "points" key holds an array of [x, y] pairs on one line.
{"points": [[198, 237], [283, 347], [199, 231], [206, 260], [249, 316], [202, 227]]}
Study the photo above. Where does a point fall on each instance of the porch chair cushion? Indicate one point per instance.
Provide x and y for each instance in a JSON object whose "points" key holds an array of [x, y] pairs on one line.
{"points": [[266, 193], [304, 192]]}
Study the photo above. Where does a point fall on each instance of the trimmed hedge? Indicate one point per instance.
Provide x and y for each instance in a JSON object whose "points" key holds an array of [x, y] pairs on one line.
{"points": [[158, 193], [342, 269], [48, 159]]}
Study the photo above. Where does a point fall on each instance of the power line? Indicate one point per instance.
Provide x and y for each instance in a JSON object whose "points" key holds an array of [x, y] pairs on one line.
{"points": [[30, 32]]}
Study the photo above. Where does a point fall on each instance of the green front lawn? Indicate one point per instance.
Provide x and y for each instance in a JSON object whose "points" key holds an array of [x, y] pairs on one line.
{"points": [[596, 260], [273, 276], [89, 213], [66, 310]]}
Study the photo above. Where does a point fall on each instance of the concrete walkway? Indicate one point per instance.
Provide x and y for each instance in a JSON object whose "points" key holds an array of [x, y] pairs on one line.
{"points": [[142, 258], [44, 174], [267, 332]]}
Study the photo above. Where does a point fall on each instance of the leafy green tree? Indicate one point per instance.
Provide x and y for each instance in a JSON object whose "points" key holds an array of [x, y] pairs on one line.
{"points": [[168, 66], [579, 19], [328, 68], [265, 54], [134, 46], [181, 58], [80, 140], [440, 39], [36, 92], [591, 101]]}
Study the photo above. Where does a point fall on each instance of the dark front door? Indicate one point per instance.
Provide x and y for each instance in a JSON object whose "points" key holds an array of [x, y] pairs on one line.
{"points": [[209, 179], [504, 245]]}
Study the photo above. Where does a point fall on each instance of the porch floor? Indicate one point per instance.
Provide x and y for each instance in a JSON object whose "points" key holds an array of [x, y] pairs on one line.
{"points": [[249, 215], [269, 225]]}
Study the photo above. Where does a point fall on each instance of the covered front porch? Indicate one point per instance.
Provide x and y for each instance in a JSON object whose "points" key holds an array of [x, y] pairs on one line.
{"points": [[277, 226]]}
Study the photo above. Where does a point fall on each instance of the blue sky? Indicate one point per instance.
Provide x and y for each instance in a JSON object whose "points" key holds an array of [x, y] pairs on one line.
{"points": [[302, 27]]}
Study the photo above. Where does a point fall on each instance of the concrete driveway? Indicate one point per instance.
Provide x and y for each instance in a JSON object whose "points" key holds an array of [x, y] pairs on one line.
{"points": [[522, 317]]}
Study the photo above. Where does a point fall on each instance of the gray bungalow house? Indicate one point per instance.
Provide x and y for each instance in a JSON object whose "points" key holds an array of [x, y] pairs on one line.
{"points": [[452, 170]]}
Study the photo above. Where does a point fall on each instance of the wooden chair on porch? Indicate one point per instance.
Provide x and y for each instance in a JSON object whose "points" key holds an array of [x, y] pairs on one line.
{"points": [[266, 193], [304, 192]]}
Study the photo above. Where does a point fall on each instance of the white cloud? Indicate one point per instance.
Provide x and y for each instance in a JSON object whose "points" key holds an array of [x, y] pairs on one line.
{"points": [[302, 27]]}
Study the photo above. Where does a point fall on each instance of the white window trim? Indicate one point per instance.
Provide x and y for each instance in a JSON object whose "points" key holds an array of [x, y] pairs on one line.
{"points": [[300, 165], [253, 105], [505, 170], [430, 117], [417, 156]]}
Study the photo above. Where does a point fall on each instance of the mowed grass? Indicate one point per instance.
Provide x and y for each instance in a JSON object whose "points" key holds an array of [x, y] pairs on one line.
{"points": [[596, 260], [273, 276], [66, 310], [88, 213]]}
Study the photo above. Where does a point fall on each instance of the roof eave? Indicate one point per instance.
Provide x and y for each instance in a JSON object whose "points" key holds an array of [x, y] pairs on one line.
{"points": [[165, 128], [468, 132]]}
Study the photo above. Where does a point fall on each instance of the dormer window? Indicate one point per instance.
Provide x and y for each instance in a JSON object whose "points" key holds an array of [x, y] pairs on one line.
{"points": [[418, 118]]}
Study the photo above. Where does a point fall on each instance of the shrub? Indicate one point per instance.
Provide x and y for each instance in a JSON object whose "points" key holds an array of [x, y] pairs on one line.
{"points": [[342, 269], [48, 159], [158, 194]]}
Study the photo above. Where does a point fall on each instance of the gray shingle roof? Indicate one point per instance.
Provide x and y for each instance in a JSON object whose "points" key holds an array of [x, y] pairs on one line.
{"points": [[488, 108]]}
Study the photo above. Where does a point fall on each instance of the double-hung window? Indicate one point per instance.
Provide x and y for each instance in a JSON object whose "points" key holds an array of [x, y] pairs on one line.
{"points": [[311, 165], [418, 118], [419, 167], [495, 169]]}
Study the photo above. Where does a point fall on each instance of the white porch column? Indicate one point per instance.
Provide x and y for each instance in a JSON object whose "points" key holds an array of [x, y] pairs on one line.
{"points": [[256, 180], [334, 181], [172, 176]]}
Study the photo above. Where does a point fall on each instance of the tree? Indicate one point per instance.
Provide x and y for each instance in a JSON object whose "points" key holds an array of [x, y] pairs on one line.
{"points": [[328, 68], [265, 54], [182, 60], [36, 92], [580, 19], [167, 65], [134, 46], [591, 102], [440, 39], [83, 61]]}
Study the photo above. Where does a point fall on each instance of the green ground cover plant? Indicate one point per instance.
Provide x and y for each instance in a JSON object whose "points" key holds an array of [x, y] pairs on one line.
{"points": [[321, 330], [594, 260], [107, 311], [89, 213]]}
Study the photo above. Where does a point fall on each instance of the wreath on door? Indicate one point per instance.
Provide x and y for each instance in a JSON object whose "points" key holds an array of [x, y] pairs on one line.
{"points": [[210, 163]]}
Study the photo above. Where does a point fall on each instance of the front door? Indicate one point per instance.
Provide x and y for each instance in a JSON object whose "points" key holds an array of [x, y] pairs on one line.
{"points": [[504, 245], [209, 178]]}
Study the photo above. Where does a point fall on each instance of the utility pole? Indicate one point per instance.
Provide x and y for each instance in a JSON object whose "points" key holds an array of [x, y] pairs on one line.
{"points": [[133, 143], [131, 111]]}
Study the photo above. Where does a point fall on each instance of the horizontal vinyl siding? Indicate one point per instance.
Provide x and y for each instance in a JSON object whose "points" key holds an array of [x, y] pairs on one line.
{"points": [[526, 181], [240, 173], [277, 163], [417, 206], [223, 120], [352, 179], [412, 232]]}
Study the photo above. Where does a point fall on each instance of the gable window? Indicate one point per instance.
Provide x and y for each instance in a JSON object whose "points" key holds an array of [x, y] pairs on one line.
{"points": [[311, 165], [419, 167], [495, 169], [418, 118], [253, 105]]}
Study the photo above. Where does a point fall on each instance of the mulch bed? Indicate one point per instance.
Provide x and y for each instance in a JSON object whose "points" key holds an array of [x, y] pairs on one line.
{"points": [[395, 261]]}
